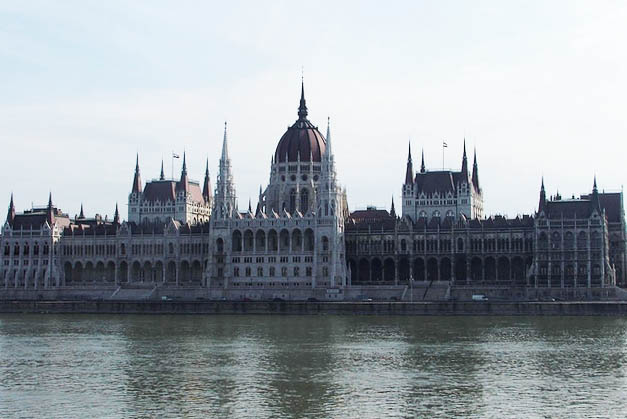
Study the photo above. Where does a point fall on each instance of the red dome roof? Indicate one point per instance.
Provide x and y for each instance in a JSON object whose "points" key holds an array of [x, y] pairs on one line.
{"points": [[302, 138]]}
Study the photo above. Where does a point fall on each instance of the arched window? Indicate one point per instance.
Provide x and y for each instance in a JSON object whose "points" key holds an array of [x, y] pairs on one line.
{"points": [[436, 214], [292, 200], [304, 201]]}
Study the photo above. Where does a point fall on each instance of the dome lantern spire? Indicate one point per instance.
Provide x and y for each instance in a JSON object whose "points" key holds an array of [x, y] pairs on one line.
{"points": [[302, 108]]}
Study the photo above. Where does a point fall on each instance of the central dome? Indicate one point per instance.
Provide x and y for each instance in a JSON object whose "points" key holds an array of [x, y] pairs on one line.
{"points": [[301, 139]]}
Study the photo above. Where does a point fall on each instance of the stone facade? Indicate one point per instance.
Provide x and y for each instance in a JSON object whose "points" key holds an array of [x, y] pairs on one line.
{"points": [[301, 241]]}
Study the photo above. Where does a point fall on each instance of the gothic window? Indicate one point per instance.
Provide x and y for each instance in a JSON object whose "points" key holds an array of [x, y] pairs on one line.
{"points": [[272, 271], [260, 271], [248, 271], [296, 271], [292, 200], [308, 271], [236, 271], [304, 200], [284, 271], [436, 214], [325, 244]]}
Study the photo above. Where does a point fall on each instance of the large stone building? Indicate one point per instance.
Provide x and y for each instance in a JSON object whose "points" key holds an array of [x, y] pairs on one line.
{"points": [[301, 241]]}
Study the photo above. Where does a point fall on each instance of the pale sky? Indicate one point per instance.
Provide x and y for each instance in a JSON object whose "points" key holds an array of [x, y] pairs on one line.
{"points": [[538, 87]]}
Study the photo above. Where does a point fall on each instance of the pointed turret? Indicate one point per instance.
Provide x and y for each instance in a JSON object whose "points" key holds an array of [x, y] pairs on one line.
{"points": [[250, 207], [206, 189], [465, 161], [225, 148], [542, 203], [184, 183], [137, 181], [81, 216], [225, 202], [162, 175], [596, 203], [302, 108], [11, 212], [116, 215], [422, 163], [50, 211], [328, 151], [475, 172], [392, 210], [409, 172]]}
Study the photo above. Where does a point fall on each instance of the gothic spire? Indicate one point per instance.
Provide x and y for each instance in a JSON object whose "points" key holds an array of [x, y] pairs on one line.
{"points": [[49, 211], [422, 163], [206, 190], [137, 181], [162, 175], [465, 160], [409, 172], [184, 183], [82, 214], [475, 172], [11, 212], [116, 215], [302, 108], [328, 149], [542, 204], [595, 196], [225, 149], [392, 210]]}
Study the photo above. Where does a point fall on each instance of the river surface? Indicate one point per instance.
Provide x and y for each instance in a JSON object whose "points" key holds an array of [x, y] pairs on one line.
{"points": [[85, 366]]}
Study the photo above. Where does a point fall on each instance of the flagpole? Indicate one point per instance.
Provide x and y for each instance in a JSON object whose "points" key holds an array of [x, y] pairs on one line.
{"points": [[172, 164], [442, 155]]}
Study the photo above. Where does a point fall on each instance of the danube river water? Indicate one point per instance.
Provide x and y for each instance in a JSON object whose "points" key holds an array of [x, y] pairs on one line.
{"points": [[311, 366]]}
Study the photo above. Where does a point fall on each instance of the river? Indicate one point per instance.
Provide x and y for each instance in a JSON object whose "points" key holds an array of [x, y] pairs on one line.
{"points": [[311, 366]]}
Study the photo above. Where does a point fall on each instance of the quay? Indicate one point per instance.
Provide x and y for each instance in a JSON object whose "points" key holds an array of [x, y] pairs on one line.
{"points": [[422, 308]]}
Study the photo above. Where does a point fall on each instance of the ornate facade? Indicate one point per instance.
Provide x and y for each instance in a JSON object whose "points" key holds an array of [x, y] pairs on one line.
{"points": [[301, 241]]}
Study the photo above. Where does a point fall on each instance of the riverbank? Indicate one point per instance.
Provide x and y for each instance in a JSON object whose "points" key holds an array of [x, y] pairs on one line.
{"points": [[436, 308]]}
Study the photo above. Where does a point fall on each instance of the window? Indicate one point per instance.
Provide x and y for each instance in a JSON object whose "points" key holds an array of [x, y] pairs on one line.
{"points": [[236, 271], [308, 271], [248, 271], [284, 271], [259, 271], [272, 271], [296, 271], [325, 271]]}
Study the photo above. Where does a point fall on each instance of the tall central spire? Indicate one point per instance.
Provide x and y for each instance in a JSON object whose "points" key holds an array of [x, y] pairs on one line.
{"points": [[225, 149], [302, 108]]}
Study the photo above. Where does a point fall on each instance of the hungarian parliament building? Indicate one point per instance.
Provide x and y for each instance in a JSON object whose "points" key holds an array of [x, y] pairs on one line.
{"points": [[301, 241]]}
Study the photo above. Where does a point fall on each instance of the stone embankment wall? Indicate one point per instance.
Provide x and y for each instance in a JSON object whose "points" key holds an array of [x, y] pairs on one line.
{"points": [[481, 308]]}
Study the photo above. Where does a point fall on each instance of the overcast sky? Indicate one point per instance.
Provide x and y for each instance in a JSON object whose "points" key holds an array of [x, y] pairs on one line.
{"points": [[539, 88]]}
